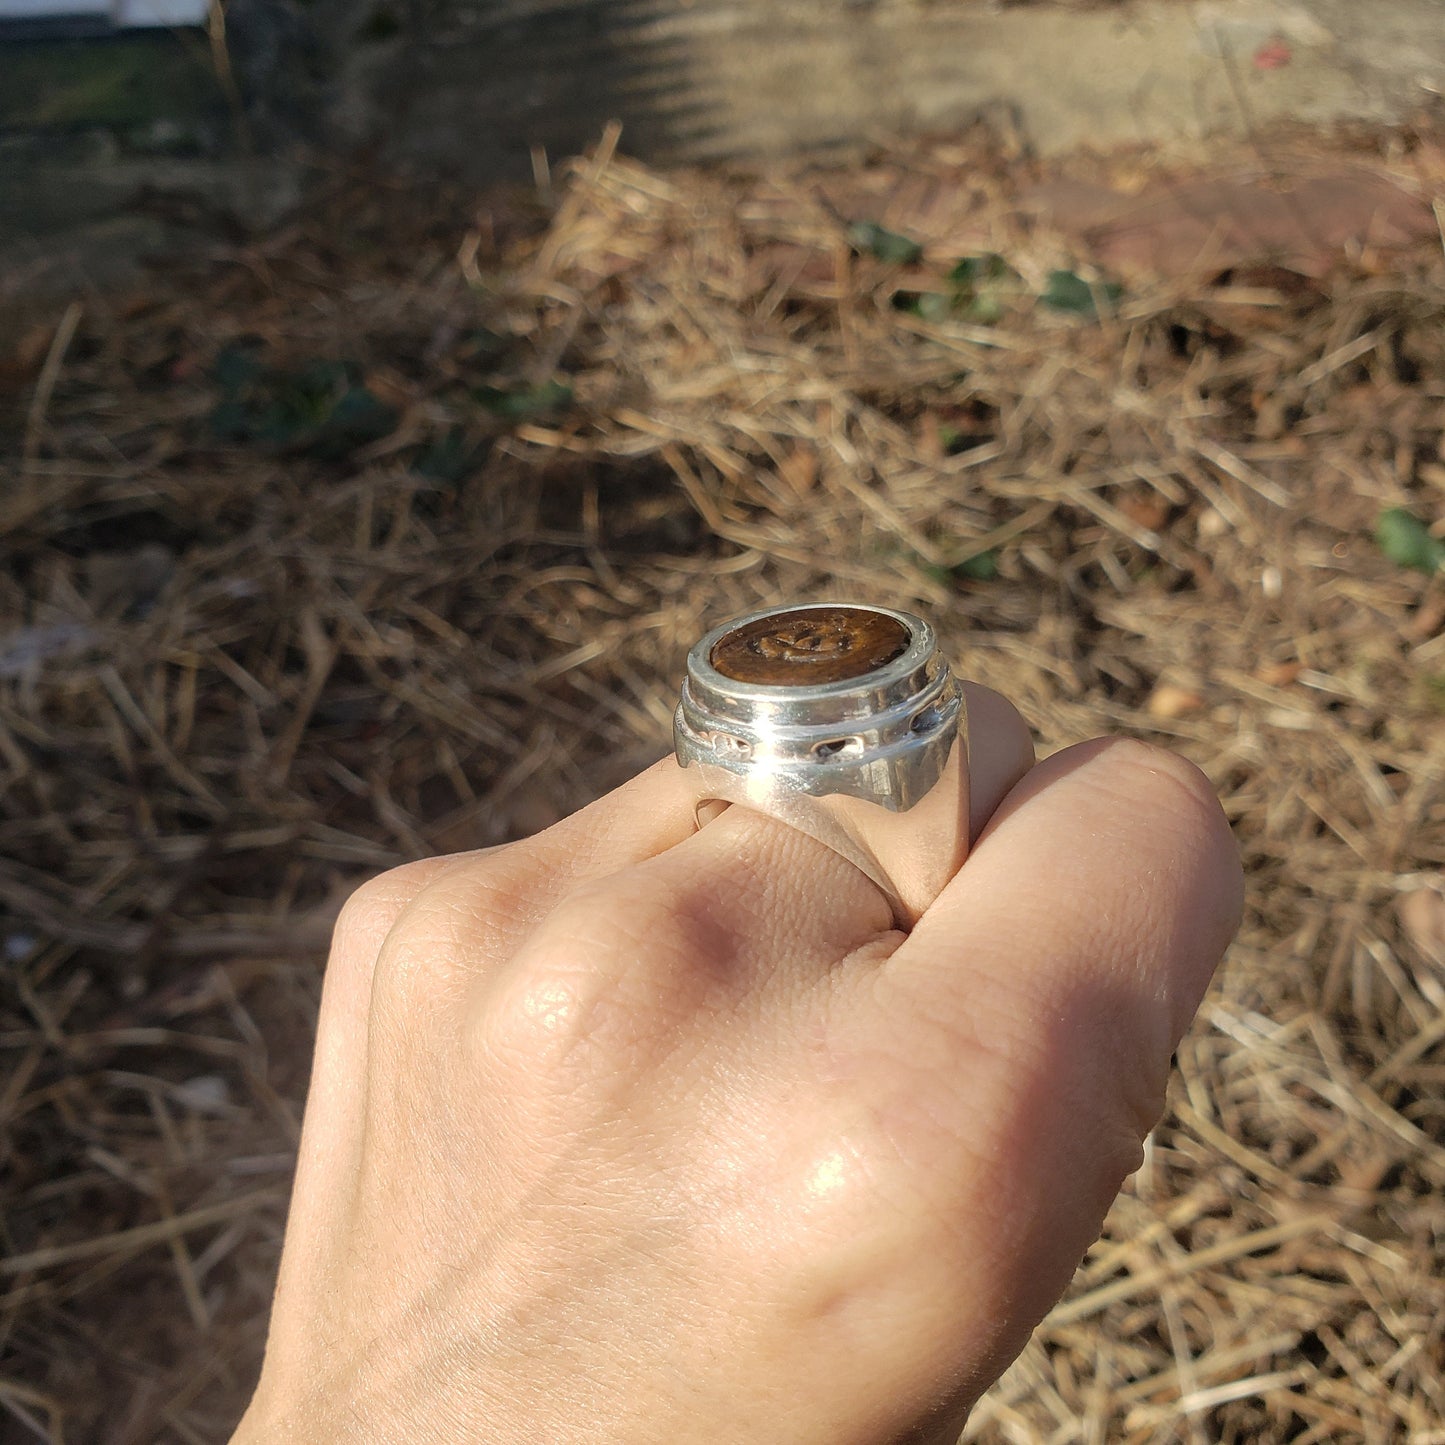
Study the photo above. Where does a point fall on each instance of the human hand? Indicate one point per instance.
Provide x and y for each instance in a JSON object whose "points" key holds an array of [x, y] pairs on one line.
{"points": [[633, 1133]]}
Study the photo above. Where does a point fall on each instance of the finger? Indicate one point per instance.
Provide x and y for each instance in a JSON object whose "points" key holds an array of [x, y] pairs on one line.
{"points": [[798, 899], [331, 1131], [1000, 751], [748, 898], [473, 914], [1037, 1004], [1109, 861], [643, 816], [518, 882]]}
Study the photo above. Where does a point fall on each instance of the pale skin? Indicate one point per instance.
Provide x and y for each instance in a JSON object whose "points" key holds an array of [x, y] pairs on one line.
{"points": [[636, 1133]]}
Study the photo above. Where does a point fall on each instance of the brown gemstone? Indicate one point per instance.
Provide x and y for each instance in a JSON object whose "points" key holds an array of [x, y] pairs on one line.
{"points": [[809, 645]]}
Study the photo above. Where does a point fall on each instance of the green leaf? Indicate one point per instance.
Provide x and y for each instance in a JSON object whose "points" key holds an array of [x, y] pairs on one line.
{"points": [[320, 409], [1407, 542], [231, 421], [449, 458], [985, 308], [982, 568], [974, 271], [527, 403], [888, 246], [236, 366], [356, 419], [481, 344], [976, 289], [981, 284], [933, 306], [1067, 292]]}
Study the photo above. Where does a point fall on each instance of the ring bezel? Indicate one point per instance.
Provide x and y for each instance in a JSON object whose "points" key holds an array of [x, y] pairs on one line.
{"points": [[884, 736]]}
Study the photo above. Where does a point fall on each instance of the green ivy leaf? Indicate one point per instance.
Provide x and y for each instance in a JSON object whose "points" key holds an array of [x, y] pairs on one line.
{"points": [[868, 237], [981, 284], [982, 568], [1066, 291], [975, 271], [482, 345], [448, 458], [977, 288], [355, 419], [527, 403], [1407, 542], [933, 306], [320, 409], [236, 366], [231, 421]]}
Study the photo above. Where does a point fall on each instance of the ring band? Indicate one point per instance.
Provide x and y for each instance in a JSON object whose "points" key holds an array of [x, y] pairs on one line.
{"points": [[843, 721]]}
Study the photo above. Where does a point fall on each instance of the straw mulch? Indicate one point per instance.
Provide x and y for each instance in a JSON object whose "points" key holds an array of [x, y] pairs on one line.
{"points": [[386, 534]]}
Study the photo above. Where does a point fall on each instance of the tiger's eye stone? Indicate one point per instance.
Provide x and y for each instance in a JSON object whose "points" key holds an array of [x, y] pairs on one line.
{"points": [[810, 645]]}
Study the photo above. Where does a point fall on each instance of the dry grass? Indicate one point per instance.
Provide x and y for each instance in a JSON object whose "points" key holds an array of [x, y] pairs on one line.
{"points": [[241, 673]]}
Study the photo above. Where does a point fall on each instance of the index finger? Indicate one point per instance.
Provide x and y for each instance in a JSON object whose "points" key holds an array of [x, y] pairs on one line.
{"points": [[1038, 1002]]}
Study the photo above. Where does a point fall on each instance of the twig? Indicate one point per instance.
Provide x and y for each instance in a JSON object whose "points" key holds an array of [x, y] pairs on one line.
{"points": [[49, 375], [132, 1241]]}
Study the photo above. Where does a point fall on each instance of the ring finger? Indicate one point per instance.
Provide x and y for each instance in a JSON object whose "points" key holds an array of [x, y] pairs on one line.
{"points": [[772, 898]]}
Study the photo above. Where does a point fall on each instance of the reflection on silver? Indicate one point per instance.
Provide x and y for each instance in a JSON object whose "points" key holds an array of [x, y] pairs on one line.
{"points": [[873, 765]]}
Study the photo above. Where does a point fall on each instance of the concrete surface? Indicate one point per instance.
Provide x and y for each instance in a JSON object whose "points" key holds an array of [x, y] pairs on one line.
{"points": [[476, 84], [470, 87]]}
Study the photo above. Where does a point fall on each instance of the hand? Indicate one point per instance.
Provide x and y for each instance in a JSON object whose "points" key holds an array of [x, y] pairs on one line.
{"points": [[634, 1133]]}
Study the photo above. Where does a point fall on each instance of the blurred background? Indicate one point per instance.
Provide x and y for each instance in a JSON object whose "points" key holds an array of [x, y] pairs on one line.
{"points": [[390, 393]]}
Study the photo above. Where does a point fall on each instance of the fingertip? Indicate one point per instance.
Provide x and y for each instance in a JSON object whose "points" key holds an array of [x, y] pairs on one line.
{"points": [[1096, 906], [1036, 1005], [1130, 768], [1182, 846]]}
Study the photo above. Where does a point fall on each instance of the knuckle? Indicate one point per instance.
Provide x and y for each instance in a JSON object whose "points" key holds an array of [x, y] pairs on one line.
{"points": [[1173, 805], [626, 920], [365, 923], [602, 979], [372, 909], [454, 925], [1036, 1065], [1120, 1089], [1137, 1086], [544, 1012], [440, 936]]}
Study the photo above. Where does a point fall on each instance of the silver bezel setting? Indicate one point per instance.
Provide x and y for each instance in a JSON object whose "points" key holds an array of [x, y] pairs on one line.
{"points": [[884, 737]]}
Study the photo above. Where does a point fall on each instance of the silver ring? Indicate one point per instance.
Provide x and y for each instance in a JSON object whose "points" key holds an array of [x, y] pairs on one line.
{"points": [[840, 720]]}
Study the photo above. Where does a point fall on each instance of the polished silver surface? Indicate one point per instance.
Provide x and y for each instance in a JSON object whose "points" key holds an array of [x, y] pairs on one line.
{"points": [[872, 761]]}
